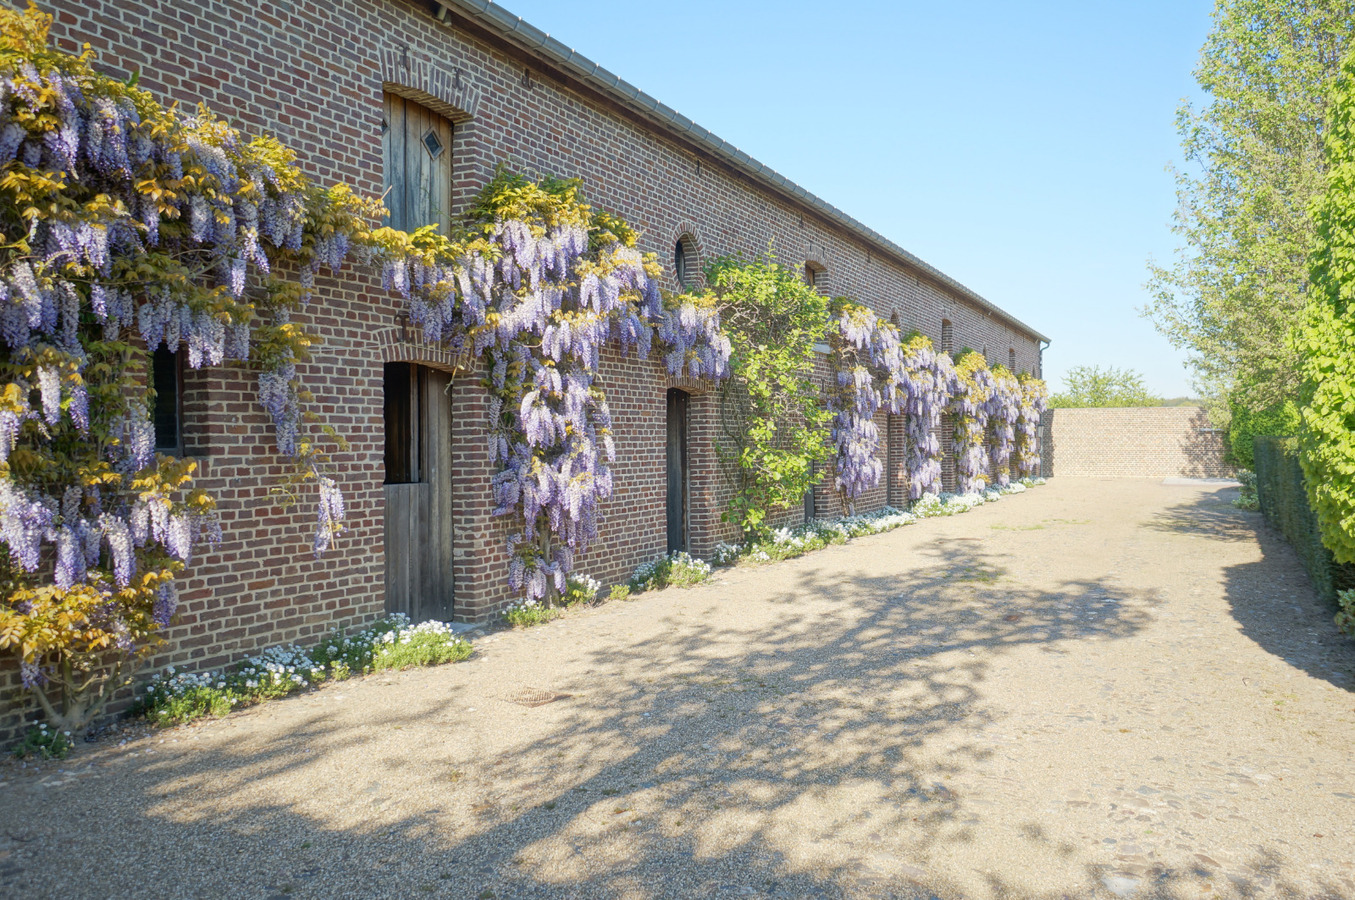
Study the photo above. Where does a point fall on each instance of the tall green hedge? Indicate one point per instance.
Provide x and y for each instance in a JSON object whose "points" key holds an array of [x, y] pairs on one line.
{"points": [[1284, 502], [1248, 424]]}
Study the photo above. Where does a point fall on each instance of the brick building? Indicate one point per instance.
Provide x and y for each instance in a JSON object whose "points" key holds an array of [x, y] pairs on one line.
{"points": [[426, 99]]}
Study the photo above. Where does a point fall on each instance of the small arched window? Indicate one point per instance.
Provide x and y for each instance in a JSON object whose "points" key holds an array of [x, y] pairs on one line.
{"points": [[1011, 358], [947, 336], [685, 261]]}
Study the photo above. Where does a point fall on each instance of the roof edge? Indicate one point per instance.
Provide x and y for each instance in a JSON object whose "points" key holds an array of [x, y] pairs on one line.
{"points": [[527, 37]]}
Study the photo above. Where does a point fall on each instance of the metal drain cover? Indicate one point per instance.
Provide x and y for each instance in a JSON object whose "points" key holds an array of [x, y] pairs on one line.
{"points": [[533, 698]]}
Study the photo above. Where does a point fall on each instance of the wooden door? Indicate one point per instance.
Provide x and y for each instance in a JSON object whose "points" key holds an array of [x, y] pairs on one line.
{"points": [[677, 470], [417, 150], [418, 492]]}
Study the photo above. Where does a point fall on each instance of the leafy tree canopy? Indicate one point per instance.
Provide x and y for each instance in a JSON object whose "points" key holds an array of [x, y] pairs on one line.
{"points": [[1095, 386], [1254, 150], [1327, 340]]}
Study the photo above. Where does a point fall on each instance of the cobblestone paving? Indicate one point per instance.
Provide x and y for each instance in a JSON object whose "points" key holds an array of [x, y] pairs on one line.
{"points": [[1097, 689]]}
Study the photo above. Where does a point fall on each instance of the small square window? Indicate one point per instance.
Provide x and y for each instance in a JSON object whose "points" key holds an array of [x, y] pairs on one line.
{"points": [[432, 144]]}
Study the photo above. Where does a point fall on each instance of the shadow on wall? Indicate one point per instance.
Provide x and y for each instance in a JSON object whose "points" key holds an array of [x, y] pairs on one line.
{"points": [[1203, 449], [751, 752]]}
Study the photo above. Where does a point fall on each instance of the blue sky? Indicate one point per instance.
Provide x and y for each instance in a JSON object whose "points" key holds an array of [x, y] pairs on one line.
{"points": [[1020, 148]]}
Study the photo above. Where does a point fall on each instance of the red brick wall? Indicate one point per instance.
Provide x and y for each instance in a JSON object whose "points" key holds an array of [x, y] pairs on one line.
{"points": [[312, 74], [1154, 441]]}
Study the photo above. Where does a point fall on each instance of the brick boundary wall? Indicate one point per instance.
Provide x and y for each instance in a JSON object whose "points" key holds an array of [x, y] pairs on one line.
{"points": [[1151, 441], [313, 74]]}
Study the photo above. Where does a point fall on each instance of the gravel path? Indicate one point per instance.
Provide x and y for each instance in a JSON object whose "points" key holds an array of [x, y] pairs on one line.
{"points": [[1094, 689]]}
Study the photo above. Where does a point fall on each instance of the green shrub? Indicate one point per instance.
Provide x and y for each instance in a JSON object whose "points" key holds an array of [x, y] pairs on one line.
{"points": [[174, 697], [1345, 619], [1326, 339], [619, 592], [44, 742], [1247, 498], [526, 613], [1280, 420], [669, 570], [1284, 502], [580, 589]]}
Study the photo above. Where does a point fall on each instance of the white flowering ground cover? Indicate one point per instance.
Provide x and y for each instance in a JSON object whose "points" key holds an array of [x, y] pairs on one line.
{"points": [[578, 589], [174, 697], [787, 543]]}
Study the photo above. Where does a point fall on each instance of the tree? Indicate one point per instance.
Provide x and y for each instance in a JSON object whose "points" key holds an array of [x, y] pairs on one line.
{"points": [[1326, 341], [774, 427], [1237, 288], [1095, 386]]}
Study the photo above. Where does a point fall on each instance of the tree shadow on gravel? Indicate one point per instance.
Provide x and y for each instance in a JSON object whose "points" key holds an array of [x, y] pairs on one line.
{"points": [[1275, 604], [1209, 515], [810, 757]]}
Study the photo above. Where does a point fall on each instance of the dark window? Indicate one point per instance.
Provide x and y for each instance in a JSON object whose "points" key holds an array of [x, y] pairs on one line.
{"points": [[680, 263], [403, 388], [947, 336], [809, 275], [1011, 359], [167, 413]]}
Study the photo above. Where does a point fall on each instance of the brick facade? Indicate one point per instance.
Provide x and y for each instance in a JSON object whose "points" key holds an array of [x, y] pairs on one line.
{"points": [[1154, 441], [313, 75]]}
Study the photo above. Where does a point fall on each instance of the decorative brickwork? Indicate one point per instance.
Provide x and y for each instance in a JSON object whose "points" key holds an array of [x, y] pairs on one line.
{"points": [[1153, 441], [313, 74]]}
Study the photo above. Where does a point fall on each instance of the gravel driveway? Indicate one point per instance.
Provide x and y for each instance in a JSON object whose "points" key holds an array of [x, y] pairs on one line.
{"points": [[1098, 688]]}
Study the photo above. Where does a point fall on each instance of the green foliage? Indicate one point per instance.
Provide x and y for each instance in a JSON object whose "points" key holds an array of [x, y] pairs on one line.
{"points": [[619, 592], [580, 589], [1284, 502], [526, 613], [174, 697], [1236, 290], [1246, 424], [774, 427], [1327, 340], [1247, 498], [669, 570], [1345, 617], [43, 742], [1093, 386]]}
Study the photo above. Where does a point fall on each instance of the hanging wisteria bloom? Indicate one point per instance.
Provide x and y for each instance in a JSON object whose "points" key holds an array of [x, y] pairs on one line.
{"points": [[929, 384], [131, 227], [537, 290], [865, 360], [970, 406], [1033, 404], [1004, 407]]}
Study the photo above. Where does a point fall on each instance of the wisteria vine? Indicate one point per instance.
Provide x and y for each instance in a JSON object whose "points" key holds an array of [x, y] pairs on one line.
{"points": [[535, 288], [1033, 404], [1004, 408], [127, 227], [970, 407]]}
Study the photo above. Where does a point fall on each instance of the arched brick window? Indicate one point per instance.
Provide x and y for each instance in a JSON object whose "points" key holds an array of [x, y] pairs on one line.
{"points": [[1011, 358], [686, 261], [947, 336]]}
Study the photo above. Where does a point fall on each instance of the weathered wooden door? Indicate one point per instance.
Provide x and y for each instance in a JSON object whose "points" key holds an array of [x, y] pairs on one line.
{"points": [[417, 146], [418, 492], [677, 470]]}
